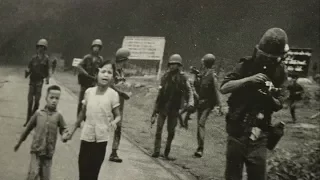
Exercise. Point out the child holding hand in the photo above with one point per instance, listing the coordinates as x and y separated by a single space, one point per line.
46 123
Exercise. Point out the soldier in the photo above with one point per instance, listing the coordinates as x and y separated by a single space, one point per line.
209 97
174 86
253 99
88 68
122 56
194 82
54 65
38 69
295 95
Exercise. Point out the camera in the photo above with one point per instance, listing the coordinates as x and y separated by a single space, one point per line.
268 88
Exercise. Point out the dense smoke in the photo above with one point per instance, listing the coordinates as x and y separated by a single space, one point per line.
228 29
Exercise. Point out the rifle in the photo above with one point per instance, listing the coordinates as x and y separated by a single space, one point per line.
26 73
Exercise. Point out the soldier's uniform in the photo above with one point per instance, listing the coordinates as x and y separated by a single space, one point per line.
184 123
208 98
249 117
295 95
121 55
90 64
38 70
174 86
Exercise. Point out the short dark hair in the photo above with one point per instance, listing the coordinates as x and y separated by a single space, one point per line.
106 62
53 87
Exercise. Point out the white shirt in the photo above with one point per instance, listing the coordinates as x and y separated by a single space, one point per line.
99 114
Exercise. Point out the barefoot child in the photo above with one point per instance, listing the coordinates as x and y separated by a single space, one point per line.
101 109
46 123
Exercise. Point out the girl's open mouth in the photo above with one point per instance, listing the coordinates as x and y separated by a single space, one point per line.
105 80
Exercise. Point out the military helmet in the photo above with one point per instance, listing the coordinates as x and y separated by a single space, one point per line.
175 59
208 58
274 43
122 54
97 42
42 42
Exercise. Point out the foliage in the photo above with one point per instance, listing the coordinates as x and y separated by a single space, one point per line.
304 165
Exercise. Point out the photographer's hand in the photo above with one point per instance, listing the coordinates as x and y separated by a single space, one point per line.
258 78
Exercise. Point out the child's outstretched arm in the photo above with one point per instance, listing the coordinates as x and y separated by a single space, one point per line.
26 132
63 128
80 118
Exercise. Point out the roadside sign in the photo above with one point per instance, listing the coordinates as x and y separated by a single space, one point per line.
145 48
76 62
297 61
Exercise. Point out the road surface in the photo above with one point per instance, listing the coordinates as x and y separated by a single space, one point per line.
14 165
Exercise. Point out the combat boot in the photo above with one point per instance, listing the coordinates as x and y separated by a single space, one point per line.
114 157
166 155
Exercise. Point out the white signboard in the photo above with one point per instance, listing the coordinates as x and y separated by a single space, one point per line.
76 62
297 61
144 47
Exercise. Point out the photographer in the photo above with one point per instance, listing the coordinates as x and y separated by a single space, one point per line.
254 86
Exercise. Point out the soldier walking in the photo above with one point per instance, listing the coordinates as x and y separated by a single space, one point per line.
209 97
88 69
173 88
295 95
194 83
122 57
253 99
38 69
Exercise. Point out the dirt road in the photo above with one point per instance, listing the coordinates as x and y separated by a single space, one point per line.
211 166
13 105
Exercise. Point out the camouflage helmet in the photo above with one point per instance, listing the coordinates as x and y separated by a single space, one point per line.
97 42
122 54
274 43
175 59
42 42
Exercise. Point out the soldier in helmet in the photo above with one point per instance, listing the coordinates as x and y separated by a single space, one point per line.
122 57
209 97
174 86
185 110
88 68
253 99
295 95
38 70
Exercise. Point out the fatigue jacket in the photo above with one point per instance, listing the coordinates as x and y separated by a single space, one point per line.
173 88
90 63
245 102
39 68
46 125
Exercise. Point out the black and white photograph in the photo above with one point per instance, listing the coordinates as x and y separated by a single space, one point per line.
159 90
